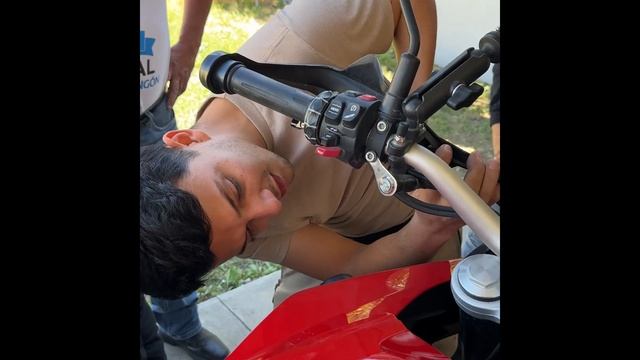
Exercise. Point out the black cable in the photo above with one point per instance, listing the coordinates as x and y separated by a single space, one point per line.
424 207
414 39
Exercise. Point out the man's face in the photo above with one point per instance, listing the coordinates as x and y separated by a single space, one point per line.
240 186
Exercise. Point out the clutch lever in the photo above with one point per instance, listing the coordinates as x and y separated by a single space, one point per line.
432 141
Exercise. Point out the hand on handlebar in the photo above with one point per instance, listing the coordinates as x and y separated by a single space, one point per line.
482 177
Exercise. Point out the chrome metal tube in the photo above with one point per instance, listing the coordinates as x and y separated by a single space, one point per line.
471 208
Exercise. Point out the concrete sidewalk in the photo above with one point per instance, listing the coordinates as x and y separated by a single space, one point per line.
232 315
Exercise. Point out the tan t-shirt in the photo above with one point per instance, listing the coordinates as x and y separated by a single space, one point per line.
325 191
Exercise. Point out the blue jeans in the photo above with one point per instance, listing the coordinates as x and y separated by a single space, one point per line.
156 121
178 318
471 241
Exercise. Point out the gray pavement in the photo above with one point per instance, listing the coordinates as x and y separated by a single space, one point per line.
232 315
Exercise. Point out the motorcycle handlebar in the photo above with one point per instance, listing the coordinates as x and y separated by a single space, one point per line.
222 75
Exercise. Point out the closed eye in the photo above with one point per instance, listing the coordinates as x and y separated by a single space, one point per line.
232 192
238 188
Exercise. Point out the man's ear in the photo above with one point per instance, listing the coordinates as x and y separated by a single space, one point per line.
184 138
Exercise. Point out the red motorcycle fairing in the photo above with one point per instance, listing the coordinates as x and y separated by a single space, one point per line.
354 318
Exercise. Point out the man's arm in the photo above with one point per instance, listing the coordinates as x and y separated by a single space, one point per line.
183 53
427 21
495 140
494 111
321 253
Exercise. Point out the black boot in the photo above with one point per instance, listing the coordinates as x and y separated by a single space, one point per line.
202 346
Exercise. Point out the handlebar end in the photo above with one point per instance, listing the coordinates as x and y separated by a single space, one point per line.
208 69
490 45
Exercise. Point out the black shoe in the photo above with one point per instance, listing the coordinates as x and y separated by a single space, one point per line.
203 346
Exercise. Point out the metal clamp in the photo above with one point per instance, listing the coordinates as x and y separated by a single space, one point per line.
387 184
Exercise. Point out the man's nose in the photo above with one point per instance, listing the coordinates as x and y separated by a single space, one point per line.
262 209
265 205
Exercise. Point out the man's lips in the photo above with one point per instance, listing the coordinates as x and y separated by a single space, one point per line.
282 185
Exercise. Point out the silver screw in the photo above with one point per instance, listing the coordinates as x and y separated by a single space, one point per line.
381 126
399 139
385 185
370 156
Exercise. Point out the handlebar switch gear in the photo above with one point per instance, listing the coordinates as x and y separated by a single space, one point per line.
332 115
313 115
351 113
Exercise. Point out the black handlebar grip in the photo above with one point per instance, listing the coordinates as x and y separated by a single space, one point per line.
222 75
490 45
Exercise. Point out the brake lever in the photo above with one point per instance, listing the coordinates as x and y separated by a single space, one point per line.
432 142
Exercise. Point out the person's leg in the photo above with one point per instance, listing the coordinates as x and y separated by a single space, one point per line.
180 326
151 346
178 319
470 241
155 122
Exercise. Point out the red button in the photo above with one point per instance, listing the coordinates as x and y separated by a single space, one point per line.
367 97
328 151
